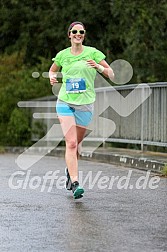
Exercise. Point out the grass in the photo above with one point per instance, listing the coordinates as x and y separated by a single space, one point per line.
2 149
164 170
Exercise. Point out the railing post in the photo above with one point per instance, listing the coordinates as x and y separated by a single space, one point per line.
142 120
104 98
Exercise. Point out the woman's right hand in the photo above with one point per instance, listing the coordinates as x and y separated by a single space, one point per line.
53 80
53 74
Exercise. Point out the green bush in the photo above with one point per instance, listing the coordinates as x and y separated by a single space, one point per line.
17 84
18 130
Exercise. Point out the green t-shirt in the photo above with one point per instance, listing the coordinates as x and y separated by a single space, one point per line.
74 68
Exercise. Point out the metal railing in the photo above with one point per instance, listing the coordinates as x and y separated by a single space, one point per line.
145 125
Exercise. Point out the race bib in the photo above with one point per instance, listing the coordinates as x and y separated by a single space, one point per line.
76 85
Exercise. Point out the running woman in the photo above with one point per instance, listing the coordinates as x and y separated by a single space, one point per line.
76 97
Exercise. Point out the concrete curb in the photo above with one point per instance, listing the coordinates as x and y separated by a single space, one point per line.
141 163
134 159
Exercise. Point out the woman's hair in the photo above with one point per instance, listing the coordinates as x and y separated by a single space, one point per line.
72 24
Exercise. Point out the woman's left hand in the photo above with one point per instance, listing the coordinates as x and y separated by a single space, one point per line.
92 63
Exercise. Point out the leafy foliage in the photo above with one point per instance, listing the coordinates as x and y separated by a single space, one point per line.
18 130
18 85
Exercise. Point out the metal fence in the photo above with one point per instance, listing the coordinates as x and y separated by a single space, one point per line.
145 125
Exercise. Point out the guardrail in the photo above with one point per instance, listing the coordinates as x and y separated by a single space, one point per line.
146 124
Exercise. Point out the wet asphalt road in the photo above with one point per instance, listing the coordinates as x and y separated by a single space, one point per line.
110 219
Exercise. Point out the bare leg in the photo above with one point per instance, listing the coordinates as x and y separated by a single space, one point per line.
71 153
70 133
80 136
73 136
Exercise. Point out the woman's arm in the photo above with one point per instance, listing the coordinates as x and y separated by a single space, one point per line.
102 67
53 73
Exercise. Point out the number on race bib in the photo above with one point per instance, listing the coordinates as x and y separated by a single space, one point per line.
76 85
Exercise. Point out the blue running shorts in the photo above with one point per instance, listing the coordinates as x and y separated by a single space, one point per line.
82 113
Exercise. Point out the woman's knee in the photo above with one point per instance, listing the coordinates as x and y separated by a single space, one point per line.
71 144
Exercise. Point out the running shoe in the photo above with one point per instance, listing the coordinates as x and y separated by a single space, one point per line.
68 181
77 190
